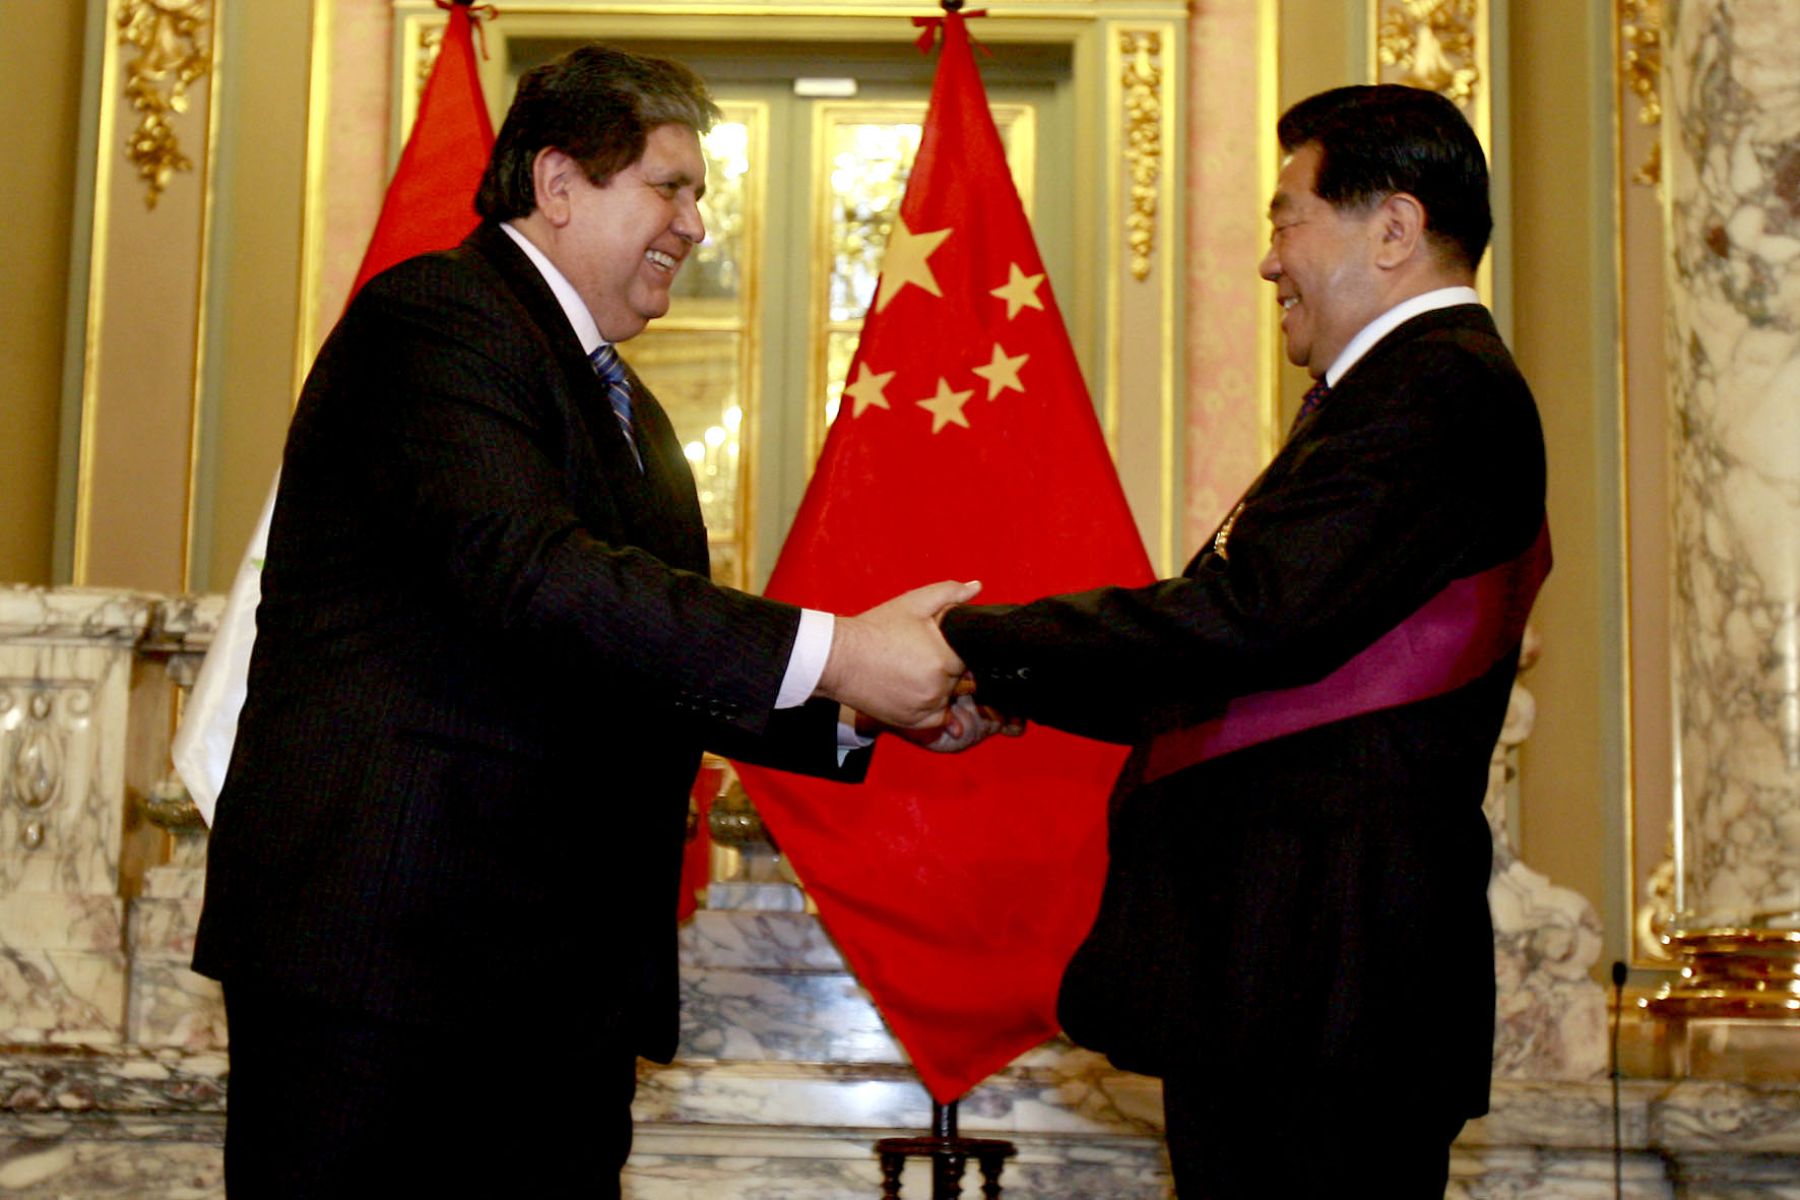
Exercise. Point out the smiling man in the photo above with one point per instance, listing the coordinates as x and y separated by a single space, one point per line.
488 658
1294 932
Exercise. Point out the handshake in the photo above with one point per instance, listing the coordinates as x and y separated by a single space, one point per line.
892 667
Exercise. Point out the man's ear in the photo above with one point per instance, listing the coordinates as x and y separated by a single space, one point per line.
1400 229
553 178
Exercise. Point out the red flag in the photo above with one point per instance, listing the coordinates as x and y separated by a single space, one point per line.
958 886
430 204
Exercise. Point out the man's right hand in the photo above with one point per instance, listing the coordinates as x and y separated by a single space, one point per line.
891 663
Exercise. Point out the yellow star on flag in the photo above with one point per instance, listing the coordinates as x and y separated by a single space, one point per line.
1019 291
1002 372
947 406
867 390
905 261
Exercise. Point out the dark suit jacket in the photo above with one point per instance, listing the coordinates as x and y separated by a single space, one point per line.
488 657
1316 904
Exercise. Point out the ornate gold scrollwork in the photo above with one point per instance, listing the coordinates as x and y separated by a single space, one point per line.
1640 64
1432 43
170 37
1142 80
431 40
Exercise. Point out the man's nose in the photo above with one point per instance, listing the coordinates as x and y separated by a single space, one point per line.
1270 266
689 225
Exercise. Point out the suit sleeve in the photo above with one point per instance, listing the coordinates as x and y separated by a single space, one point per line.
1413 481
475 447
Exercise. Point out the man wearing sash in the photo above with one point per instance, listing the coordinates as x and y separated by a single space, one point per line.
1294 932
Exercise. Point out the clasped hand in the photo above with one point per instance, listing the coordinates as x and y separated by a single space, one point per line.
892 666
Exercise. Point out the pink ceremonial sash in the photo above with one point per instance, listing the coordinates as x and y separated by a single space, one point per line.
1454 639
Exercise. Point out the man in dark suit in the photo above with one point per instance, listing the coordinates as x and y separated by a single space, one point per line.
488 658
1294 931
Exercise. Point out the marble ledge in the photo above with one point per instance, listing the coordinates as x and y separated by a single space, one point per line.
882 1099
62 1084
758 1164
785 941
41 1084
107 615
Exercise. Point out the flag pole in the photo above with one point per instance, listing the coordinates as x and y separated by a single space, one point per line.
949 1153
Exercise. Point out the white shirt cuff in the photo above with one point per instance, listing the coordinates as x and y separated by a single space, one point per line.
812 646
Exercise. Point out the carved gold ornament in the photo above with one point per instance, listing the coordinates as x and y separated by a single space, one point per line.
1142 80
170 38
1640 65
431 40
1432 44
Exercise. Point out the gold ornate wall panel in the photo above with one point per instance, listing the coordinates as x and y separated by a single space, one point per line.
1144 277
172 43
1145 132
1447 46
1437 45
134 391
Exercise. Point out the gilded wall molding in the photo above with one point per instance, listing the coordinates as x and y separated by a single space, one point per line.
1431 44
431 40
1640 66
171 39
1141 77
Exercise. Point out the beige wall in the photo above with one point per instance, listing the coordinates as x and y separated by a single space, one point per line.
1563 331
253 315
40 59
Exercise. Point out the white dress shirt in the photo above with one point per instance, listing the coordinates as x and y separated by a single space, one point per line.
1392 319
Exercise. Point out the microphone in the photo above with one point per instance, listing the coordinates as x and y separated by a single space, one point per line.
1618 982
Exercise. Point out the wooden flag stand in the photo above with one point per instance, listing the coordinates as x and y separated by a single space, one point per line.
948 1153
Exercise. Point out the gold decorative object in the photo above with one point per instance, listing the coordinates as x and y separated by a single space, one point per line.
1432 44
1733 973
1640 63
170 37
1653 917
1142 80
431 40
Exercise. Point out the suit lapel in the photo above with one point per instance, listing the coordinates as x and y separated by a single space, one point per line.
656 509
1466 316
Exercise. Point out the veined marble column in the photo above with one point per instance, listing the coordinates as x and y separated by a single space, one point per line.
1732 145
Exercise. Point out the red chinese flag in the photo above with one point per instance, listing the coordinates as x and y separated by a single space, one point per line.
430 205
958 886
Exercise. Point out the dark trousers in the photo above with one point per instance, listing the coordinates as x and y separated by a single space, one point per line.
1231 1143
329 1104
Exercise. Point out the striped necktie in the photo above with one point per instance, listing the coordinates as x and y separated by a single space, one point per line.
611 370
1309 403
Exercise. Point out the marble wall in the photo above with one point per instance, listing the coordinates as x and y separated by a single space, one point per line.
1732 112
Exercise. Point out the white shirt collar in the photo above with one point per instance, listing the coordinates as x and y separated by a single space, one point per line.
579 317
1392 319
